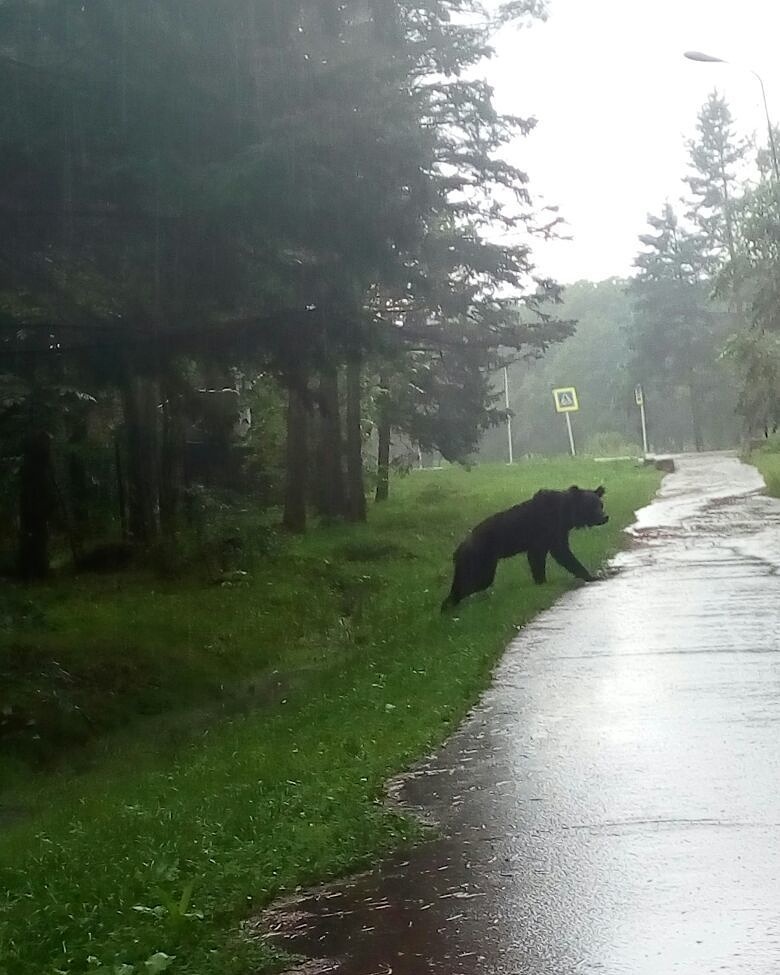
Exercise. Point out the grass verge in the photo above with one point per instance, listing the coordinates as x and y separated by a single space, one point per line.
149 858
767 460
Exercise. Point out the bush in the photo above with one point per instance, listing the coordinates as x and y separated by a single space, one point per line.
611 444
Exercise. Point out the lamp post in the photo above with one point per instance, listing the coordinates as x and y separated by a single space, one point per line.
508 416
709 58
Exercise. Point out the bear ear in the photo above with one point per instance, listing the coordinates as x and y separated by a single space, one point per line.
574 488
600 491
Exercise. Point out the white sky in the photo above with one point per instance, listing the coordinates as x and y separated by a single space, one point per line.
615 100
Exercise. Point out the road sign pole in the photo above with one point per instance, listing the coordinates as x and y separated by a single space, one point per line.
508 417
639 397
571 435
644 425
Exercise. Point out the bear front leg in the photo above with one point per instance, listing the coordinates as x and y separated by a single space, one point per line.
537 560
564 556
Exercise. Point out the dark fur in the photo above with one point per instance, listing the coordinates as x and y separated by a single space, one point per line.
538 527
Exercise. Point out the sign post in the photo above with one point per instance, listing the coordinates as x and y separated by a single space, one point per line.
639 396
508 416
571 435
566 402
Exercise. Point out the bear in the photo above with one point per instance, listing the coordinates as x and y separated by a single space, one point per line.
537 526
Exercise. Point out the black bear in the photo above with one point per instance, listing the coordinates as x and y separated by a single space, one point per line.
537 527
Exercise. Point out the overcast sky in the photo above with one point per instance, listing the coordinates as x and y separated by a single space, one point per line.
615 101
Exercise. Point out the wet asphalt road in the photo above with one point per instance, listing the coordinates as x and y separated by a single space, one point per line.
613 805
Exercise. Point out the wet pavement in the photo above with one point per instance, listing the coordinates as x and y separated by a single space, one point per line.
613 805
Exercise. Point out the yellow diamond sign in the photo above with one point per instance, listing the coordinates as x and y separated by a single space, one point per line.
566 400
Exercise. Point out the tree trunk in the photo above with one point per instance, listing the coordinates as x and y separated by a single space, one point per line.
121 490
294 519
139 400
356 495
696 419
171 464
383 452
330 493
35 479
78 481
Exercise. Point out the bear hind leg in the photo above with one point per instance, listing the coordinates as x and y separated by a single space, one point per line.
471 575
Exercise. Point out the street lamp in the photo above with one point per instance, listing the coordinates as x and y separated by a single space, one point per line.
508 416
700 56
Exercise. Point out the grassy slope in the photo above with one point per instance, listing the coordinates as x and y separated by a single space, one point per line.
257 803
767 461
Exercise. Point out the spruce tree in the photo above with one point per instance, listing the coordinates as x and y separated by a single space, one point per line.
715 157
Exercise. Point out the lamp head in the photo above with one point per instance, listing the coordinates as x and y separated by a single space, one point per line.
701 56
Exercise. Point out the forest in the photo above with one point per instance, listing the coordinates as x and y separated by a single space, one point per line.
235 239
248 256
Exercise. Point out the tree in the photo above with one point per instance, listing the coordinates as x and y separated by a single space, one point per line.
756 356
35 407
715 157
754 350
674 334
436 311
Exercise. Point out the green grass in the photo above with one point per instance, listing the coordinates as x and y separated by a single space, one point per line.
767 460
166 846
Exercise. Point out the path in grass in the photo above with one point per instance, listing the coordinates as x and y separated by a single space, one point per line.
156 852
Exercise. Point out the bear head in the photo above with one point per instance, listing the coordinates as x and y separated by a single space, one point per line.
587 507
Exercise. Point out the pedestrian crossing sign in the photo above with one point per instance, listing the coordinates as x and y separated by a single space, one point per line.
566 400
